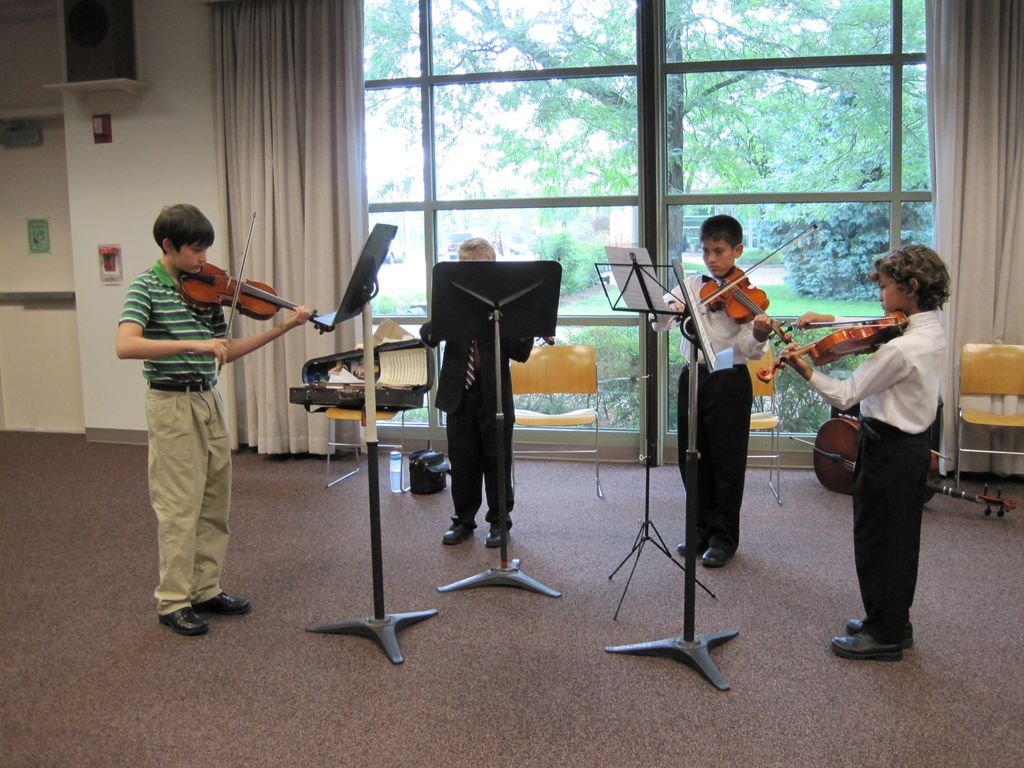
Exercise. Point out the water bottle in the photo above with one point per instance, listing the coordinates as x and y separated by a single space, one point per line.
396 472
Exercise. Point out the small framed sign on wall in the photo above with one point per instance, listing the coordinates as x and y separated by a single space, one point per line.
38 236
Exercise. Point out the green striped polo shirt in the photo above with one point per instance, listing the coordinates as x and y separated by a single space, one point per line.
154 302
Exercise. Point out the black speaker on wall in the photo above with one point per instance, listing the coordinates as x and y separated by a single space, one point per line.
99 39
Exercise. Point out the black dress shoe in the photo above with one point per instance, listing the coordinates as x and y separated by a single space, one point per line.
865 647
716 557
681 547
185 621
493 536
223 603
856 626
457 534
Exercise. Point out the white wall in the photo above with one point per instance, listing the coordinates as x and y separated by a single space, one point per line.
163 152
40 386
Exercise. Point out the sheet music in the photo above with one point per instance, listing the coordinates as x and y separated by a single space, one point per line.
717 360
343 376
403 368
628 280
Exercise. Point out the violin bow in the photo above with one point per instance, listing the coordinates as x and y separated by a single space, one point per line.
238 286
730 286
238 281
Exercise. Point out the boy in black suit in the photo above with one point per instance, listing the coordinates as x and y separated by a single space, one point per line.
466 393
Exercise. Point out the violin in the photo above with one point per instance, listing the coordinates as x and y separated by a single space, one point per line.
835 455
857 338
734 295
211 286
739 300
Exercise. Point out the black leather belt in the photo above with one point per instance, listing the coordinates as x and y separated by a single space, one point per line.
184 386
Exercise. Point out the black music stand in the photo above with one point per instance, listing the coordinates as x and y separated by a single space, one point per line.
689 648
382 627
519 300
639 285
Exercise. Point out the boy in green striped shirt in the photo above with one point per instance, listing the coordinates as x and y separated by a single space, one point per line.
189 453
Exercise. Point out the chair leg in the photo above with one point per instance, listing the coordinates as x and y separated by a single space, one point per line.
776 465
959 442
331 445
597 460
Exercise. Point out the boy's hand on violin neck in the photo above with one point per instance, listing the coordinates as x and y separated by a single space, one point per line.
796 362
299 316
762 327
812 317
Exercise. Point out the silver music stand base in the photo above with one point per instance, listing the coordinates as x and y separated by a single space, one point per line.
501 577
693 652
384 631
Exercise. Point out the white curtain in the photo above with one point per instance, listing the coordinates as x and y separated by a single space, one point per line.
976 115
290 109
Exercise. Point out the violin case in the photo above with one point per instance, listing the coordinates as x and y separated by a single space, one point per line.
427 471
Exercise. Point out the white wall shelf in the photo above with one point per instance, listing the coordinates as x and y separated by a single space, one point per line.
32 113
133 87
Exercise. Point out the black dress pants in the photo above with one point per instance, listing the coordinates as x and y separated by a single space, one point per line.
473 455
724 399
889 484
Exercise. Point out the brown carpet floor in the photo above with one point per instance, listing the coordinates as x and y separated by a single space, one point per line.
501 677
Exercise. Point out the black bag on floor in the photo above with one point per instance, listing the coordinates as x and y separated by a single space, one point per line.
427 470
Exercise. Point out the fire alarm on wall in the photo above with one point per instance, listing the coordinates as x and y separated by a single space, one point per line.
101 129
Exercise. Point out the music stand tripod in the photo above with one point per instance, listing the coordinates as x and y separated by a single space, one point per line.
636 291
381 627
523 296
689 648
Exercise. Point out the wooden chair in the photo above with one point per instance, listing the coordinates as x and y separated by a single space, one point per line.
990 376
557 371
765 418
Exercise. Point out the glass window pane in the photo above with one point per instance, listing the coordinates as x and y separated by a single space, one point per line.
575 237
913 26
801 409
391 36
548 138
740 29
825 270
510 35
822 271
917 224
402 276
618 360
916 164
394 145
802 130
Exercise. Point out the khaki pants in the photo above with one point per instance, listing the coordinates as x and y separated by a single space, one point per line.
190 490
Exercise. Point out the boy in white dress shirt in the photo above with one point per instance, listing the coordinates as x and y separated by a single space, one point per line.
724 399
898 391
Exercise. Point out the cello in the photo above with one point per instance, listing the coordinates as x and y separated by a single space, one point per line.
835 457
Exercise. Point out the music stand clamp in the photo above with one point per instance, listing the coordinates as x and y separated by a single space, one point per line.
514 300
381 626
689 648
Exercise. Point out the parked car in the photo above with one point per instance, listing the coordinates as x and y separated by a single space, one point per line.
451 252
